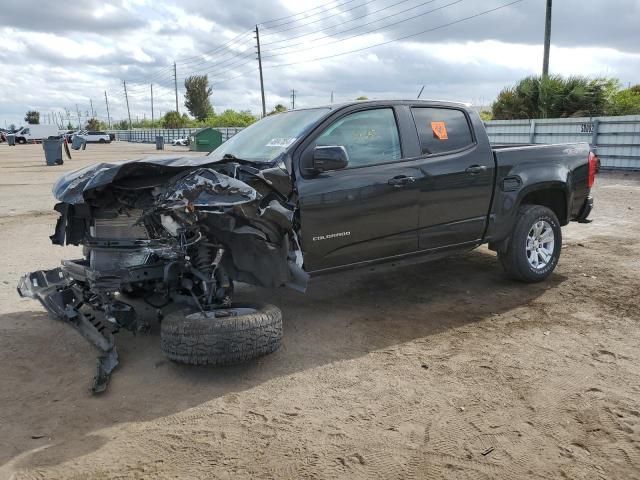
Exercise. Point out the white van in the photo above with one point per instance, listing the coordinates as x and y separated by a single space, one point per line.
32 133
94 137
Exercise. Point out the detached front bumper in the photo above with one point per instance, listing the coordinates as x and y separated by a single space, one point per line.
585 210
63 300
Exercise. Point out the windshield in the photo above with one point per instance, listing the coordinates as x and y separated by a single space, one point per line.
265 140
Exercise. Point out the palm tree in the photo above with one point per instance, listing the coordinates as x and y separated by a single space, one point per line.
553 97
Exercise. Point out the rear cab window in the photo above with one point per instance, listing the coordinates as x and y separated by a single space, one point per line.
442 130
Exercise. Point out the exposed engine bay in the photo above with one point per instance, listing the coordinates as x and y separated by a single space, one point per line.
166 230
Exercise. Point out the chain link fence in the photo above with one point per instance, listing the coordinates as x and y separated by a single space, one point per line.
148 135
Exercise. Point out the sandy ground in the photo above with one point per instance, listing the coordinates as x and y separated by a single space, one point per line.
442 370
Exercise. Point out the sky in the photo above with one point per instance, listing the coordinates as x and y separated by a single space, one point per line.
61 57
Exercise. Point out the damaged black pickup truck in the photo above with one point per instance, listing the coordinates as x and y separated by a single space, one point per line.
297 194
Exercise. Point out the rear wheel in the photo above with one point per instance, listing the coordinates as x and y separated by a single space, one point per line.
534 246
102 140
223 336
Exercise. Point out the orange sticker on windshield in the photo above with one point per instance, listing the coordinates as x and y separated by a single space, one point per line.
439 130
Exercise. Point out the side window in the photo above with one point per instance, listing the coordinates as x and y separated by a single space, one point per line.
370 137
441 130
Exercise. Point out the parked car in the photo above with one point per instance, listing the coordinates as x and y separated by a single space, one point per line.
182 142
295 195
35 133
95 137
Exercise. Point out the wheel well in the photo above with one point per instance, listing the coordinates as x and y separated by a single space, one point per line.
552 198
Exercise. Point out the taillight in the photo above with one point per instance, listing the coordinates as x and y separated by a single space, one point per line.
593 169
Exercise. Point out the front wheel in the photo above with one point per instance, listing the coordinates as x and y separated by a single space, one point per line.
223 336
534 246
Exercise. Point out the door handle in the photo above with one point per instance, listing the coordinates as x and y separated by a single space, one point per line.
476 169
401 181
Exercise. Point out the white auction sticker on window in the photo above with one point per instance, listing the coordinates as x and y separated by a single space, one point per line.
280 142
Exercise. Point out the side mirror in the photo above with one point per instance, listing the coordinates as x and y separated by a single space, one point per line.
331 157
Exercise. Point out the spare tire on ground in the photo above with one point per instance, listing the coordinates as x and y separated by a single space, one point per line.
221 337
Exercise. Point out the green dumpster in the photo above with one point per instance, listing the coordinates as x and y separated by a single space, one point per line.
205 140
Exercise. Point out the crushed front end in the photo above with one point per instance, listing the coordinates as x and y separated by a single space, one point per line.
165 231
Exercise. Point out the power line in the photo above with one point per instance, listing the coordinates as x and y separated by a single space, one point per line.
217 68
341 12
357 26
186 60
404 37
369 31
237 60
305 12
226 64
146 79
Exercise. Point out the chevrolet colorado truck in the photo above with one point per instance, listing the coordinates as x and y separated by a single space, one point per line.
295 195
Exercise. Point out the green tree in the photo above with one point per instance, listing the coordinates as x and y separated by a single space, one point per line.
121 125
196 97
279 108
32 117
232 118
553 97
362 97
173 119
625 102
486 115
92 124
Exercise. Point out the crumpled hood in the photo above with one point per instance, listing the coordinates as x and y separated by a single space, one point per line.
72 186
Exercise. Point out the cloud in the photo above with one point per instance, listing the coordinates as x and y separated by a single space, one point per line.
67 17
55 55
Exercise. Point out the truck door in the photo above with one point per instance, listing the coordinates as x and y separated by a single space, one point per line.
456 188
367 211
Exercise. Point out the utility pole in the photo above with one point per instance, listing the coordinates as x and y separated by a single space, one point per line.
264 107
293 99
152 104
93 113
106 101
78 110
175 81
547 40
124 82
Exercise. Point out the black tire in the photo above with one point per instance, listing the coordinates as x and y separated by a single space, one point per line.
196 339
515 260
102 140
22 141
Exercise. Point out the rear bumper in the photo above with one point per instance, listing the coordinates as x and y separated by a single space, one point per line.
585 210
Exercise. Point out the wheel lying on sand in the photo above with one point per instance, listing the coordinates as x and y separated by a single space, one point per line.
221 337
